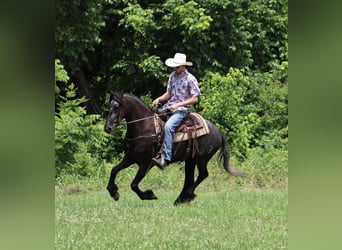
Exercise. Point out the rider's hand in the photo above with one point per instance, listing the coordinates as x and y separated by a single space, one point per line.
155 102
173 107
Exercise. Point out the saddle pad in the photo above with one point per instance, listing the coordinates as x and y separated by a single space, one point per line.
201 129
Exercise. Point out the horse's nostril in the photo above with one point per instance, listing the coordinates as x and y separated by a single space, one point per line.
108 129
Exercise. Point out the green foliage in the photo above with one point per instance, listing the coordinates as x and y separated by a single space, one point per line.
188 16
269 96
60 75
140 20
266 22
248 108
152 66
81 145
223 102
147 98
78 25
122 44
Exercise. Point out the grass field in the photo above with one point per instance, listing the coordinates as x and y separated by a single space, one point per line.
216 219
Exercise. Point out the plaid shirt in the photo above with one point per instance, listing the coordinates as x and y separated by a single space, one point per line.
181 87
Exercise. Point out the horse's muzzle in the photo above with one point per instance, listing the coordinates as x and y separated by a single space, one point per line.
108 128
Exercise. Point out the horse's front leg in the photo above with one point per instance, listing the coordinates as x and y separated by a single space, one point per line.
112 187
142 172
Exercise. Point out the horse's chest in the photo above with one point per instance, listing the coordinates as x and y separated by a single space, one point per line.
139 147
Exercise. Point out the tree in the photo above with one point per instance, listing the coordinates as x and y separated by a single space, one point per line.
239 49
122 44
78 25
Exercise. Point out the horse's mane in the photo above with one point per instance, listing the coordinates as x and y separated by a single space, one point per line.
117 96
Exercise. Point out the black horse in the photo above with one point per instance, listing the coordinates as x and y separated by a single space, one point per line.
143 142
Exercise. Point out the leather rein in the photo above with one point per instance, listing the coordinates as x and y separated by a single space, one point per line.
157 134
141 119
148 117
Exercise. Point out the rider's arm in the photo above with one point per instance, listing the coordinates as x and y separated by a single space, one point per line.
192 100
163 98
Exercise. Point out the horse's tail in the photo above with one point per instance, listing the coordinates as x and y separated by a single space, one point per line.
225 155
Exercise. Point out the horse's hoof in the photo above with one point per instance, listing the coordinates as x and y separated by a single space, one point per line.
184 199
149 195
113 192
177 202
116 196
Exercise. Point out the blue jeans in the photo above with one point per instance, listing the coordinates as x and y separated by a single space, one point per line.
170 128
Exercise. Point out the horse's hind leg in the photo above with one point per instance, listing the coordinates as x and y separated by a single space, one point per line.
112 187
202 174
143 170
187 195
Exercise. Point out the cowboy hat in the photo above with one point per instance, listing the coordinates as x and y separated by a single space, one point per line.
178 60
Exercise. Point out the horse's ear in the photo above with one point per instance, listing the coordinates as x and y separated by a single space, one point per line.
117 97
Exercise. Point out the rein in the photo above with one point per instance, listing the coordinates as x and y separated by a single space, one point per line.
145 118
141 119
148 136
142 136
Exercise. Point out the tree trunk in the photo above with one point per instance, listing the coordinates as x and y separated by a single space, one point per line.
84 89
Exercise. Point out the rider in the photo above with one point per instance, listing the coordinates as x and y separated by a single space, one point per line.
181 92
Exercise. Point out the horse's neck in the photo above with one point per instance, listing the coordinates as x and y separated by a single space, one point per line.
139 118
137 113
133 115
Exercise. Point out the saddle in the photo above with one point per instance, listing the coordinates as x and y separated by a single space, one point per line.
192 126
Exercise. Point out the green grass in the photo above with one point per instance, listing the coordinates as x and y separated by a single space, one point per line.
216 219
228 213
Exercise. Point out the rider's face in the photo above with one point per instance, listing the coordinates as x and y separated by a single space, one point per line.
179 69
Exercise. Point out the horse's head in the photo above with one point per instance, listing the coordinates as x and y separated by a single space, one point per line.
115 112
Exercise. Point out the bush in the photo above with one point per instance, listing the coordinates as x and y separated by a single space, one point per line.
269 97
248 107
223 103
82 146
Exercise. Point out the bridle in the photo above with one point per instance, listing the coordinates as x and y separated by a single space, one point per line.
158 130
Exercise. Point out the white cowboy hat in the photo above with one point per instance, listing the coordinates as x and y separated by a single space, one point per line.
178 60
